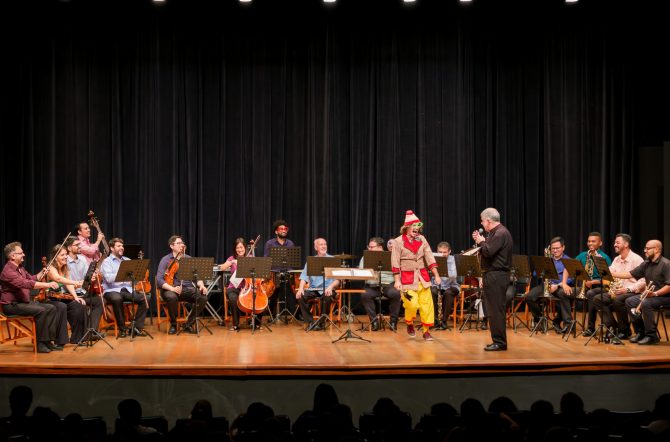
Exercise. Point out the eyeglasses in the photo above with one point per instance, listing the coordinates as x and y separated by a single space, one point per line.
649 248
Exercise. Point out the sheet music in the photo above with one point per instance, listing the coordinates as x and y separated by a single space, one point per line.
363 272
235 281
343 272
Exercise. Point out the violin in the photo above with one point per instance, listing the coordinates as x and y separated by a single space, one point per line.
42 294
144 286
172 269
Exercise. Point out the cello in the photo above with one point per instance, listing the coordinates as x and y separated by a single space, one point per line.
264 288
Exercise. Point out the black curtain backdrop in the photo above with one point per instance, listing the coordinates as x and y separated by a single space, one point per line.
213 119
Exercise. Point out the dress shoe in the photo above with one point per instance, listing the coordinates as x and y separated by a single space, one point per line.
122 333
394 325
440 326
234 328
588 332
410 330
485 324
427 336
189 329
623 335
649 340
173 330
495 347
374 325
42 347
54 347
139 332
637 338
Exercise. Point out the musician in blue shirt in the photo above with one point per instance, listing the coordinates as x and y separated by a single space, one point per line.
318 288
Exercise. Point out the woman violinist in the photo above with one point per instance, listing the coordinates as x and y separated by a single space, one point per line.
65 298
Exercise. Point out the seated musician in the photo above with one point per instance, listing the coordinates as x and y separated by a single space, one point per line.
78 267
447 290
372 291
280 229
560 288
235 284
318 288
65 299
115 293
15 286
594 284
172 292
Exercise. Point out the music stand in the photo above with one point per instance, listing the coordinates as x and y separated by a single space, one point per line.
344 274
132 251
315 267
545 270
468 267
254 268
576 269
520 269
133 270
443 270
194 270
381 261
91 332
285 259
605 275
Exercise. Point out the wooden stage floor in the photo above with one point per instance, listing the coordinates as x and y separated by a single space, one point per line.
288 351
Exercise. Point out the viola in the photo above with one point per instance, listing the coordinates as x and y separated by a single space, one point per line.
144 286
42 294
172 269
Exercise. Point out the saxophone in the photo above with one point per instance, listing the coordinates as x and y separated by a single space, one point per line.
547 294
650 288
588 266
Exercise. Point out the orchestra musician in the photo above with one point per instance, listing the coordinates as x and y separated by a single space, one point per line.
179 290
15 286
447 290
65 298
316 288
411 259
496 253
235 284
372 291
90 250
593 285
654 269
115 293
625 261
280 229
78 267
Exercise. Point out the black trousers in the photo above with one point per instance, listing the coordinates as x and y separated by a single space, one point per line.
494 297
116 299
646 322
45 314
311 294
188 294
76 317
621 311
448 295
369 299
283 292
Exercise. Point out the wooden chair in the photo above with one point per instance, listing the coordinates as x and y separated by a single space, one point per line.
340 293
161 308
14 327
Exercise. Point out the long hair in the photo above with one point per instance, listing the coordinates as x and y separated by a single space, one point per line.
61 269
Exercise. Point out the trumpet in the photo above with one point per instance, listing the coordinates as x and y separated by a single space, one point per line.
649 289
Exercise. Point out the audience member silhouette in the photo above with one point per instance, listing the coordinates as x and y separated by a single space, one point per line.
129 424
18 423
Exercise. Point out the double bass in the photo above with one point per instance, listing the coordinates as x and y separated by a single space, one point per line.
96 284
264 289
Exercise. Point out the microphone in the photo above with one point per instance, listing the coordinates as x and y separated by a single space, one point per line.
481 232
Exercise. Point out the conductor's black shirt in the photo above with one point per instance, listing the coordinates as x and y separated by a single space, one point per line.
496 251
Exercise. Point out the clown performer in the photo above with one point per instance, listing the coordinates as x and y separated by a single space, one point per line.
411 258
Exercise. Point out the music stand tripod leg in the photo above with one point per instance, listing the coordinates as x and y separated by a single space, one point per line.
87 339
348 333
602 332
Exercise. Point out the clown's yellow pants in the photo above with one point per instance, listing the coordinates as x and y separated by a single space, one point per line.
420 300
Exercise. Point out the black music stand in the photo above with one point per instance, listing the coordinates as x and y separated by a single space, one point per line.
133 270
194 270
315 267
520 269
602 332
576 269
468 267
91 332
285 259
132 251
381 261
254 268
544 269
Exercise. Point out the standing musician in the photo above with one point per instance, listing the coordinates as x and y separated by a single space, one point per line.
15 286
65 298
656 270
445 293
411 259
236 284
78 267
594 283
496 252
280 229
116 293
90 250
372 291
316 288
615 297
179 290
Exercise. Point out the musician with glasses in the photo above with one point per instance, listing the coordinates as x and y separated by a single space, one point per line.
179 290
593 284
615 296
445 292
654 269
372 291
78 267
